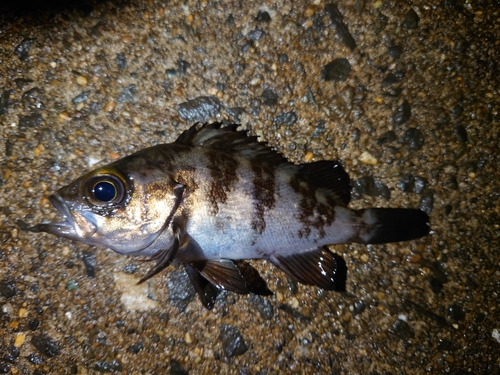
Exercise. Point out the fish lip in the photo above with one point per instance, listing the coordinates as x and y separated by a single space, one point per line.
63 209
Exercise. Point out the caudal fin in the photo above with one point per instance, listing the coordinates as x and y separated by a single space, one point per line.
384 225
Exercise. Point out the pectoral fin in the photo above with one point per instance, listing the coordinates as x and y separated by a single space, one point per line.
163 259
224 274
318 267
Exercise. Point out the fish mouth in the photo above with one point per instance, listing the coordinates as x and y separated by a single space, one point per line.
75 226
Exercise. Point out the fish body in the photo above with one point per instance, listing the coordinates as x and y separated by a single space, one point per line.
216 197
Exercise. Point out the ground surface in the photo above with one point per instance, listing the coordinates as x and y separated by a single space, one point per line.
409 104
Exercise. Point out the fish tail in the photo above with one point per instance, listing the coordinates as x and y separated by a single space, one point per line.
383 225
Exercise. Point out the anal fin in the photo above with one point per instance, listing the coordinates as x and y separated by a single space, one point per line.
318 267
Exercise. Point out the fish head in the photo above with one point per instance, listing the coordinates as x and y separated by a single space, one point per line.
118 207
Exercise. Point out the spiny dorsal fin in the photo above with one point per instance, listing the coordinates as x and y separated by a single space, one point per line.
228 139
330 176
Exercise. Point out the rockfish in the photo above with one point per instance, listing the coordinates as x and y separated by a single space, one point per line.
216 197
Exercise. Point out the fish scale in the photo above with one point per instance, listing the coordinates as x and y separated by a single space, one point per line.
217 197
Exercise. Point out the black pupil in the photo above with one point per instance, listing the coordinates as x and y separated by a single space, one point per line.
104 191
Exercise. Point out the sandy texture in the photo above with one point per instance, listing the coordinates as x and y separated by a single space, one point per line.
405 94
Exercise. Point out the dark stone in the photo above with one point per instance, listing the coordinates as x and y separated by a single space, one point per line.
81 98
34 324
456 312
199 109
233 343
256 34
263 16
411 20
359 307
180 289
121 61
90 262
176 368
436 285
33 98
393 78
427 201
235 113
182 66
414 138
286 118
337 70
270 97
22 50
31 121
12 355
21 83
136 348
368 186
340 27
127 95
395 51
113 366
45 345
263 306
419 185
171 73
387 137
4 100
402 330
33 358
457 110
402 113
4 368
282 58
461 133
7 289
319 129
130 268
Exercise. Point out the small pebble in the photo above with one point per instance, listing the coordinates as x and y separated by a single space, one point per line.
22 313
308 156
187 338
109 106
63 117
19 340
82 80
368 158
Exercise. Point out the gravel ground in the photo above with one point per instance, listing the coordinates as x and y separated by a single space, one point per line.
405 94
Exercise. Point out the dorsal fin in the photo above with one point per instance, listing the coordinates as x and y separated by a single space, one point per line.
326 175
228 139
330 176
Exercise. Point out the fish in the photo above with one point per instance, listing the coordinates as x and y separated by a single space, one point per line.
215 199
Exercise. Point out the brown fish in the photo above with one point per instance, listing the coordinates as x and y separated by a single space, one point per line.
216 197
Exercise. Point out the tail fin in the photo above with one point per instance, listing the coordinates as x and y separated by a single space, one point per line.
393 225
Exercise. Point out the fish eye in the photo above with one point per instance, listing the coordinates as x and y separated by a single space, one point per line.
105 190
